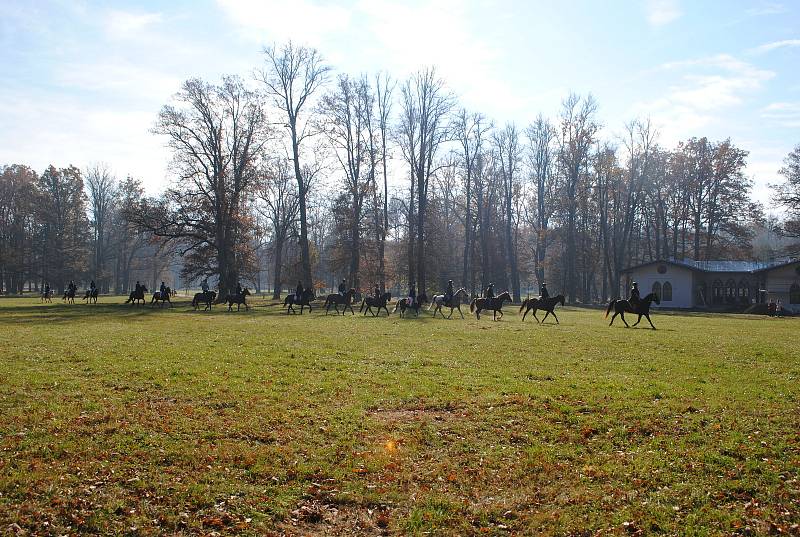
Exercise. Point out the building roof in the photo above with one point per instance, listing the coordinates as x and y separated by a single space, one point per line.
719 266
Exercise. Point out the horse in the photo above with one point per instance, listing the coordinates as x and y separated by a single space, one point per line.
91 296
495 304
238 299
455 303
206 297
305 300
547 304
46 296
335 299
380 303
161 298
69 296
402 305
135 297
641 309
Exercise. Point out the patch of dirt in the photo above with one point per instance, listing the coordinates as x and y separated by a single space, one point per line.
318 517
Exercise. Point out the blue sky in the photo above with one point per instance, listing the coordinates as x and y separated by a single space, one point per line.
83 81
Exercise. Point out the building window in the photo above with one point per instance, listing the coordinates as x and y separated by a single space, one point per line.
666 289
716 292
794 294
744 291
657 289
730 291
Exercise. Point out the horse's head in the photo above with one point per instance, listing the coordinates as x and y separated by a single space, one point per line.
504 296
560 299
387 296
245 292
652 297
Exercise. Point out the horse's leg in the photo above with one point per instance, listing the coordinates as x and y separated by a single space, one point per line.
554 315
649 321
622 316
612 318
637 320
546 313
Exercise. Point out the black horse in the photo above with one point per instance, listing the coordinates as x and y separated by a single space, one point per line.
135 297
335 299
641 308
291 301
91 296
238 299
546 304
403 305
69 296
494 305
370 302
160 298
206 297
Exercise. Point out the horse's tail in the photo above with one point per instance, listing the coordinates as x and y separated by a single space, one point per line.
522 306
286 301
472 305
396 305
610 305
432 303
362 305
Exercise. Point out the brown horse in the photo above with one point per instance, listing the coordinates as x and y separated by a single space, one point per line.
547 304
69 296
494 304
370 302
135 297
292 300
335 299
91 296
206 298
455 303
160 298
238 299
403 305
642 308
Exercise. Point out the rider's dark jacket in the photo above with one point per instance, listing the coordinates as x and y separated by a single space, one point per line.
298 293
377 292
342 288
543 292
634 298
489 293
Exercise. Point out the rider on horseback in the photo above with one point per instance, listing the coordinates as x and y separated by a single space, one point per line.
489 293
72 287
239 289
448 295
634 298
377 292
162 291
204 285
92 288
543 293
412 293
137 289
298 292
343 287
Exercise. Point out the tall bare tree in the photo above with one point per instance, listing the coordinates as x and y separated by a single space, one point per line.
509 156
291 77
216 134
101 184
541 155
384 89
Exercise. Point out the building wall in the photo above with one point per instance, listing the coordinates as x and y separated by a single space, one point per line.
679 277
720 294
778 283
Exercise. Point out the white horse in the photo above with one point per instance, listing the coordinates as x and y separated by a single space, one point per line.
455 303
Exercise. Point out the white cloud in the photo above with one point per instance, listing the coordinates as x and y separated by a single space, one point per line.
267 21
125 24
662 12
785 114
769 47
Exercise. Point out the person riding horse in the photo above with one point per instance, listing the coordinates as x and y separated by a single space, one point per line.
138 288
204 285
634 298
72 287
298 291
377 292
448 295
92 287
343 287
489 293
162 291
543 293
412 294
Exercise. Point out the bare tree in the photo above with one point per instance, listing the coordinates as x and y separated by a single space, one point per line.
469 130
216 135
293 74
509 153
384 88
578 130
541 137
101 185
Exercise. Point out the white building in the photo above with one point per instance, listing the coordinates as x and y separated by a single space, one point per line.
731 285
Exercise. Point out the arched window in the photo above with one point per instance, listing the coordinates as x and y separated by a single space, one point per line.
730 290
744 291
657 289
794 294
716 292
667 290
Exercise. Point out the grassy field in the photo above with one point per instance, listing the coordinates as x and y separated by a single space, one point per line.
116 419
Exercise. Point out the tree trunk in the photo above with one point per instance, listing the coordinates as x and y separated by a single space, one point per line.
305 256
278 255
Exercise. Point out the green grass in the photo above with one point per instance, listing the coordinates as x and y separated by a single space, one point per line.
136 420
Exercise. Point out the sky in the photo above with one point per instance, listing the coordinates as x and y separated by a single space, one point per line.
82 82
